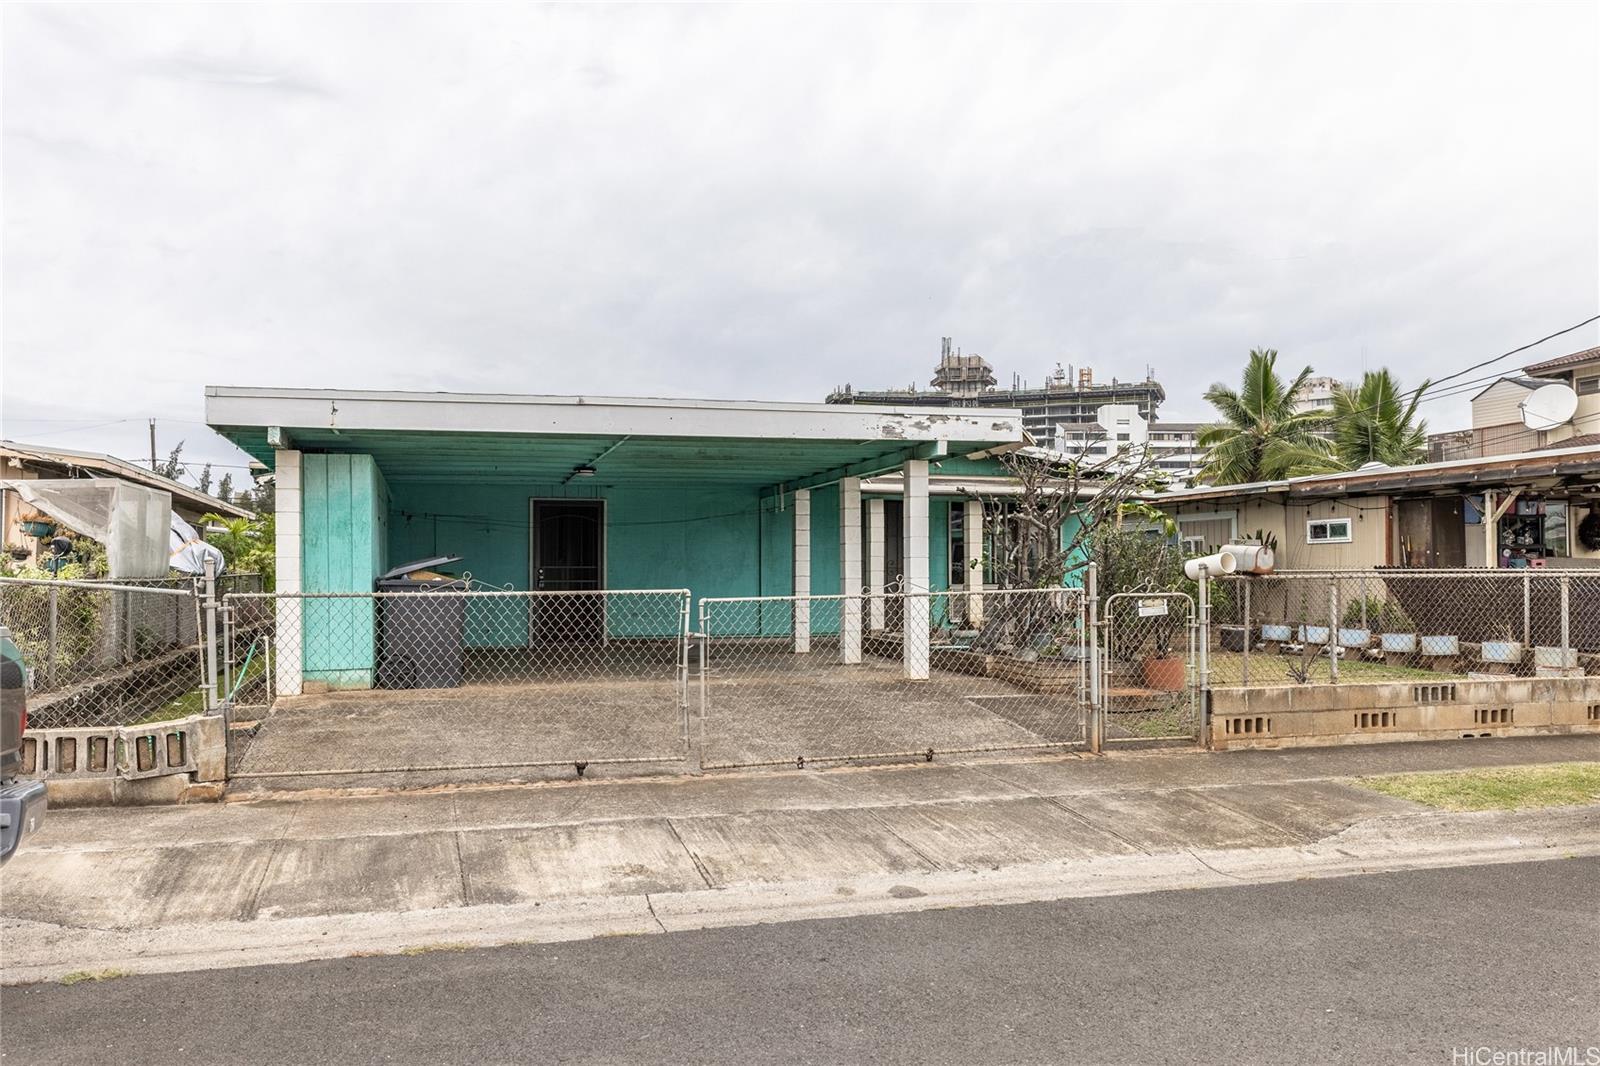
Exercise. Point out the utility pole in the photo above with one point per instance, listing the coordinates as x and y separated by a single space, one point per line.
152 446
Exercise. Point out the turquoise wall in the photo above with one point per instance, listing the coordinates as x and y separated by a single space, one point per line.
714 541
344 545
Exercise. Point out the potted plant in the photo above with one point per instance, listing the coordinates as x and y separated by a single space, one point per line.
1235 637
1310 634
1439 645
1552 657
1277 632
1162 670
1374 615
1504 648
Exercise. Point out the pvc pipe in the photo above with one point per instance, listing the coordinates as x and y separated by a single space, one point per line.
1221 563
1252 558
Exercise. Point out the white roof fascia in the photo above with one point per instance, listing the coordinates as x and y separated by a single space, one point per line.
959 485
602 416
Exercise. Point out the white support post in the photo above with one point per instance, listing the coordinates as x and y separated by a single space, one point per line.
972 530
850 570
802 571
914 551
875 562
289 638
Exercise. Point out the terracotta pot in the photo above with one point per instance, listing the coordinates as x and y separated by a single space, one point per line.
1168 674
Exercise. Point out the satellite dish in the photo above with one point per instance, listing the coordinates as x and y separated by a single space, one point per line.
1549 406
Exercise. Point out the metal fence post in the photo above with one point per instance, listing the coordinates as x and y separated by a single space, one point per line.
1333 631
698 757
1566 622
227 652
210 652
1203 655
50 652
1249 636
1527 609
1095 725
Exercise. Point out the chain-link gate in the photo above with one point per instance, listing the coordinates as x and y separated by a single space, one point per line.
1150 686
789 681
403 682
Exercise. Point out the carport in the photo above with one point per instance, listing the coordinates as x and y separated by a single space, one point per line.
557 502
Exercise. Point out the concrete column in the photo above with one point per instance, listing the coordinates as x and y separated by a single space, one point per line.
802 570
972 530
289 637
914 551
875 575
850 570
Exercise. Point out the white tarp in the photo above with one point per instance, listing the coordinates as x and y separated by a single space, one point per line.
189 552
133 522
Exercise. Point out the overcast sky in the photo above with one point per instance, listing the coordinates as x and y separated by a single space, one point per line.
766 202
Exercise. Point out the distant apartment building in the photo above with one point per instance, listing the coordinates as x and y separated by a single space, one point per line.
1069 397
1317 394
1171 447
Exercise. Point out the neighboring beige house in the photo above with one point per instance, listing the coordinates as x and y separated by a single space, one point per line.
30 462
1431 514
1497 427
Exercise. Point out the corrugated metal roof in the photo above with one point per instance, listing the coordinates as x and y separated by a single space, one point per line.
1564 459
121 468
1588 355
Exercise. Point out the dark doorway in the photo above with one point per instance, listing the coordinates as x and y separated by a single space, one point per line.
567 555
1432 532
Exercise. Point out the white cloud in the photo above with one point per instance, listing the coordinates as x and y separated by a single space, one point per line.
767 202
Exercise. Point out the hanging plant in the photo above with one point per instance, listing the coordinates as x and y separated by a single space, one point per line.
1589 531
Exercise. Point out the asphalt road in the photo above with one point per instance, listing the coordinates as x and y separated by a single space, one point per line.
1382 968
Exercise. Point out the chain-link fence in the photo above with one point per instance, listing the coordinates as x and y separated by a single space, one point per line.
103 654
794 680
391 682
1150 687
1342 627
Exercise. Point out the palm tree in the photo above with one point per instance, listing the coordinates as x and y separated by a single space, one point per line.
1375 423
1261 436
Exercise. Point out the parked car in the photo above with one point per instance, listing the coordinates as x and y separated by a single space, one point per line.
22 803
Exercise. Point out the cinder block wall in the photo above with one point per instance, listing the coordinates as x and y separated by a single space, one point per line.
1306 715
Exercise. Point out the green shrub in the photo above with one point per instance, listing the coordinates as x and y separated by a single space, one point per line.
1381 615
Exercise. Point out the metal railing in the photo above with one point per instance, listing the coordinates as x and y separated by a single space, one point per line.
392 682
1353 626
793 680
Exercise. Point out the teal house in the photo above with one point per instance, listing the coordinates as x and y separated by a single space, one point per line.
583 493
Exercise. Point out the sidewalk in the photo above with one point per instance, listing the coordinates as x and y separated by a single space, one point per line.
281 879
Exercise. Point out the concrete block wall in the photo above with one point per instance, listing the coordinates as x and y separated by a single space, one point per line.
1311 715
164 762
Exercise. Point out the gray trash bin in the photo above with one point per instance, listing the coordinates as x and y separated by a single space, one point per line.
421 636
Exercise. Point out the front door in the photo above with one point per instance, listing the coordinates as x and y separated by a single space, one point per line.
567 554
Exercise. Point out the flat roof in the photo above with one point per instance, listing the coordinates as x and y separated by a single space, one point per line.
624 439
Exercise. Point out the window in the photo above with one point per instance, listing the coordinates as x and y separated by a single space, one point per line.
958 543
1328 531
1555 528
1586 386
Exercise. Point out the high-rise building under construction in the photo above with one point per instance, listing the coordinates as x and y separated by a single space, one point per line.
1069 397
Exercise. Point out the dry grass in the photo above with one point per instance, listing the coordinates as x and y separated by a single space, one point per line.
80 976
1560 785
